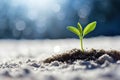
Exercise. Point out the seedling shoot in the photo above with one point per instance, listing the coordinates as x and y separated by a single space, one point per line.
81 33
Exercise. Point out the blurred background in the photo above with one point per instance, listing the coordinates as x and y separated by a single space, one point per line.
48 19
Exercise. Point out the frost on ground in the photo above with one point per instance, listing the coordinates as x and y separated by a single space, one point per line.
22 60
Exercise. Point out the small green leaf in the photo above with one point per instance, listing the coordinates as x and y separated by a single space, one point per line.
90 27
80 28
74 30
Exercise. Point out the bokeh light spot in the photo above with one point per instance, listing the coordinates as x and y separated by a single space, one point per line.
56 49
20 25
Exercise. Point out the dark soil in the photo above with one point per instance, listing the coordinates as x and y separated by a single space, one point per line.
77 54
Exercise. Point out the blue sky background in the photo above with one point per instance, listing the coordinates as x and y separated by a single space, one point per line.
43 19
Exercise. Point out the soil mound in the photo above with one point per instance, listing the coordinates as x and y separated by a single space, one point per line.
77 54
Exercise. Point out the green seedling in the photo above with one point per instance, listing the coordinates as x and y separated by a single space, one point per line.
81 33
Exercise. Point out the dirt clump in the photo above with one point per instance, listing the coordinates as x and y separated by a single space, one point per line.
77 54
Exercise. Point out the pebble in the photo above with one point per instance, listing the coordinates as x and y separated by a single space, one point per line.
29 60
54 63
105 64
104 58
26 71
35 65
6 74
93 65
118 62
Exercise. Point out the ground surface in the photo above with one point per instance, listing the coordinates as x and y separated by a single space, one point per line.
21 60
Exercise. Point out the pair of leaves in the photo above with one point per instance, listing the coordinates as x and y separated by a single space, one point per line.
78 31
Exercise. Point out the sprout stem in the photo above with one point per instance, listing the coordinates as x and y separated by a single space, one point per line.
81 43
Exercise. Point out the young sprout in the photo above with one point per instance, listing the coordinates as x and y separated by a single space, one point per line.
82 33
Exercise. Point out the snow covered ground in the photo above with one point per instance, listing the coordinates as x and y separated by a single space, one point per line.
45 48
17 56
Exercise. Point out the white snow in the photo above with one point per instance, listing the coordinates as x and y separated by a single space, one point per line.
15 54
45 48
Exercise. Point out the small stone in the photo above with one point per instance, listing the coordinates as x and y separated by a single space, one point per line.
55 63
118 62
35 65
106 64
26 71
23 73
6 74
93 65
104 58
29 60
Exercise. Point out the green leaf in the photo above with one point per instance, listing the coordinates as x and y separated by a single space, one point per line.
89 28
74 30
80 28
